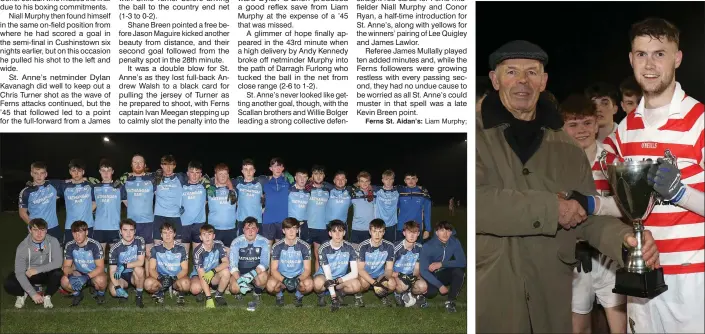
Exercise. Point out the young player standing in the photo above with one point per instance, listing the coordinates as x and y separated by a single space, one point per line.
38 200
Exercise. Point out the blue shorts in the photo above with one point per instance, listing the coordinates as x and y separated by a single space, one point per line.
105 236
68 236
390 234
144 230
191 233
357 237
318 236
159 220
272 231
55 232
127 277
226 236
320 272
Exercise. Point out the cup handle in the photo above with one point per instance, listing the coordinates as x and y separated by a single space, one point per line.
603 160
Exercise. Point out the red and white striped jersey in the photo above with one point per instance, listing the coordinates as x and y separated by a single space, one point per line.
603 187
679 233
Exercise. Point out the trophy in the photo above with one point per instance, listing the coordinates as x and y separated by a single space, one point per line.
635 198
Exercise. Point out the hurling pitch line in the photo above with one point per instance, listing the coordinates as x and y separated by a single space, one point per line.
191 309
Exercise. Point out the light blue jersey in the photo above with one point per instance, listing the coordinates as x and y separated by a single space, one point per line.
338 204
221 214
296 203
193 200
79 203
404 259
40 201
120 253
108 201
208 259
169 260
140 198
168 196
246 255
338 259
363 209
316 207
291 258
386 205
249 199
84 257
376 258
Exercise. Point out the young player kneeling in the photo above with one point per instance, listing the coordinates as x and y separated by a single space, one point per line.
86 256
291 265
376 264
127 263
168 267
410 287
210 264
249 261
338 271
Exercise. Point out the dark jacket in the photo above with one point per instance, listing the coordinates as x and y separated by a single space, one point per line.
449 254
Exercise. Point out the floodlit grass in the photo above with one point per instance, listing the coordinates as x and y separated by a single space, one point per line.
114 317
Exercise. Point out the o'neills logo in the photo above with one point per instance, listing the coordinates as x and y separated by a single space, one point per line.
649 145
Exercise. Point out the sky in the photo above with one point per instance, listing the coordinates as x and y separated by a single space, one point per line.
589 41
439 160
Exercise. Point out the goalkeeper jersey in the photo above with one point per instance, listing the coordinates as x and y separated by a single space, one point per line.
376 257
168 195
414 204
78 198
316 207
83 257
276 199
338 204
120 253
40 201
140 198
338 259
246 255
108 201
193 200
249 199
169 260
221 214
208 259
404 259
297 202
291 258
386 205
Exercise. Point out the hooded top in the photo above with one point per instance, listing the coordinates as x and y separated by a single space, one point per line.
43 257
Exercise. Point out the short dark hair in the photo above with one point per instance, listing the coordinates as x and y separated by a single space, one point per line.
207 228
195 165
79 225
577 106
411 225
128 221
38 165
602 89
38 223
657 28
335 224
290 222
340 172
77 163
248 162
412 174
168 159
249 220
221 166
377 223
318 168
276 161
105 163
444 224
167 226
301 171
629 87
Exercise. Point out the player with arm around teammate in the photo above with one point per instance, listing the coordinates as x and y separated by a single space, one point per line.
210 264
127 263
168 267
290 265
376 264
83 264
249 262
409 283
339 271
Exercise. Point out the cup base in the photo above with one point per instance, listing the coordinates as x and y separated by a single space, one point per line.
647 285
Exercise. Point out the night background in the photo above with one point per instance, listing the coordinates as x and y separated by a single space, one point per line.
589 41
439 160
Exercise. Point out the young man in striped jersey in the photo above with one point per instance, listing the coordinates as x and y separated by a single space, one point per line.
667 118
376 264
127 263
78 197
168 265
313 230
249 262
339 270
406 266
210 268
595 274
108 197
222 209
38 200
290 265
83 264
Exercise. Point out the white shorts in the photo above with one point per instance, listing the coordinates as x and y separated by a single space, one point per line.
681 309
598 282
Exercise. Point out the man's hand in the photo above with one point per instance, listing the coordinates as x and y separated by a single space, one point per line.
434 266
30 272
77 282
443 290
119 270
570 213
665 177
38 299
208 276
232 197
426 234
649 252
583 253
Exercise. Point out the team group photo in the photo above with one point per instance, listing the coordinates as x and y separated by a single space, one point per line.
172 236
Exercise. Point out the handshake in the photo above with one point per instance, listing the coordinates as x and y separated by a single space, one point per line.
573 208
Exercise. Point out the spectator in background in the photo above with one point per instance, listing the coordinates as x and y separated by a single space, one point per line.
631 94
604 96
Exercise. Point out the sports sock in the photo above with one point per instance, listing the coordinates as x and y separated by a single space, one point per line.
75 293
100 293
139 292
218 294
280 294
298 294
